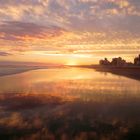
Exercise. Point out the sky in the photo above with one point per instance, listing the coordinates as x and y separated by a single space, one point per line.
69 31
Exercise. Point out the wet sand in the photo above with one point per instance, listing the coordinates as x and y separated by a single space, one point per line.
130 72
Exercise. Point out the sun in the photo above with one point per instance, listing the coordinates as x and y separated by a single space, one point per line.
71 62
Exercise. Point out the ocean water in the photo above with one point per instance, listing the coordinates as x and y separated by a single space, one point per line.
69 104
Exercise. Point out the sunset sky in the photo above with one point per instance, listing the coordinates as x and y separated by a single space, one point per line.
69 31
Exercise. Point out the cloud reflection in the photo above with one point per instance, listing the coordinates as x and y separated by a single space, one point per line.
69 108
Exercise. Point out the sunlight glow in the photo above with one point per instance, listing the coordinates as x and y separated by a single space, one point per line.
72 63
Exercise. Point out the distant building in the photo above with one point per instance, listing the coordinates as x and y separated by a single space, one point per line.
137 61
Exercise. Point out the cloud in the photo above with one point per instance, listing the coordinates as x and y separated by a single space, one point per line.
90 15
4 53
20 10
13 30
69 25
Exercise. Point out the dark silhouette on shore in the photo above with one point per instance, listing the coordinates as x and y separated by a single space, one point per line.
119 62
137 61
119 66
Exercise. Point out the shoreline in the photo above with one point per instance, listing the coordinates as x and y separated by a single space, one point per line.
132 72
11 70
129 72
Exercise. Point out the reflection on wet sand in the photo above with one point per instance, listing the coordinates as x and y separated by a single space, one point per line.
68 104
